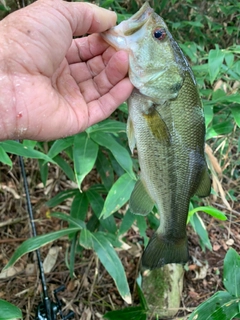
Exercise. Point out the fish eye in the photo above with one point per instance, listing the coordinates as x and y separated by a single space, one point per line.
159 33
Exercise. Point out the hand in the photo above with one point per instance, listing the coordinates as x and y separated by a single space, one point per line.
52 86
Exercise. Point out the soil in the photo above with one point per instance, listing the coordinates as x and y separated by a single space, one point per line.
92 292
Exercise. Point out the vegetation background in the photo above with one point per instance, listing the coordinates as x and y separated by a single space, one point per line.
99 162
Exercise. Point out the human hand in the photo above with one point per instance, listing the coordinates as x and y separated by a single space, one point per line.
52 86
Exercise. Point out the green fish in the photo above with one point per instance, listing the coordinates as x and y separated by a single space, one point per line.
166 124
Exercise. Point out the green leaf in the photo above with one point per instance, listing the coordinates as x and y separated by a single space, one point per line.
218 129
200 229
131 313
85 239
109 126
215 60
221 306
61 196
4 6
120 153
97 202
229 58
236 114
37 242
208 112
17 148
231 273
75 222
118 195
112 263
9 311
66 168
4 158
105 169
142 226
85 152
209 210
31 144
43 167
79 207
60 145
127 222
72 255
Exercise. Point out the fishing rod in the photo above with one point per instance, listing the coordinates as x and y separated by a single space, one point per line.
46 309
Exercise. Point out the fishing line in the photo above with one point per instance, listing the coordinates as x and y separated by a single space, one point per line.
47 309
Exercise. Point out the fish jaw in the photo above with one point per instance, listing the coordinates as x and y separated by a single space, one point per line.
117 36
156 68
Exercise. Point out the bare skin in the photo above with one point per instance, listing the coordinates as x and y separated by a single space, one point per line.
52 86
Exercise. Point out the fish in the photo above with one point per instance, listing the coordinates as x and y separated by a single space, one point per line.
166 124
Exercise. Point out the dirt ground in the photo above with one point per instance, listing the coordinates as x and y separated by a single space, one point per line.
92 292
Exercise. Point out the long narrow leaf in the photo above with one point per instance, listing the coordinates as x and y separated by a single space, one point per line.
108 125
17 148
76 223
221 306
120 153
231 273
4 158
209 210
112 263
60 145
85 152
118 195
37 242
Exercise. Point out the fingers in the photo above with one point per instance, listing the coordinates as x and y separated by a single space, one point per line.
81 16
87 70
103 82
88 18
83 49
103 107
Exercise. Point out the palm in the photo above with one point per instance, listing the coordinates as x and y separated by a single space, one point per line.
62 86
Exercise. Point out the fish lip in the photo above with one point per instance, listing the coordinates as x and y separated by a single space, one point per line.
117 36
114 39
143 14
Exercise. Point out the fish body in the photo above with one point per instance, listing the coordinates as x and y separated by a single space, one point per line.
166 124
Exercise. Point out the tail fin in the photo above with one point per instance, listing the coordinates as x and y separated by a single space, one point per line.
162 250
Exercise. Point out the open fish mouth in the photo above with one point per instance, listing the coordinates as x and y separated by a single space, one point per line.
117 36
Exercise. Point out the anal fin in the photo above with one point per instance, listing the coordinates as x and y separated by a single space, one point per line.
140 202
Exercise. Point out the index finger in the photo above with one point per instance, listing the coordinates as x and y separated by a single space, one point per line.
84 17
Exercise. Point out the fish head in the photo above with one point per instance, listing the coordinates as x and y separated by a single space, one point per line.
157 65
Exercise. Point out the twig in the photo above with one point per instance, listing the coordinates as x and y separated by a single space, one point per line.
12 221
12 240
223 207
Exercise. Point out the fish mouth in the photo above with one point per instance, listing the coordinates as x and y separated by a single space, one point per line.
117 36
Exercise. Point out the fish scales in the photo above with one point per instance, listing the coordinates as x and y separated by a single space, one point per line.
166 123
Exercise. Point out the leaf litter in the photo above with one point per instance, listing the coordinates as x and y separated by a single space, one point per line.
92 292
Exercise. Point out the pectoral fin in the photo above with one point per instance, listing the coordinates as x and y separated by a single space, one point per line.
140 201
158 127
130 134
204 187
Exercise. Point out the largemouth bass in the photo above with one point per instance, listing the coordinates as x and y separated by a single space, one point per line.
166 123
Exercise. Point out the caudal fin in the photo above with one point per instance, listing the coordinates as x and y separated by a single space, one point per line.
161 251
